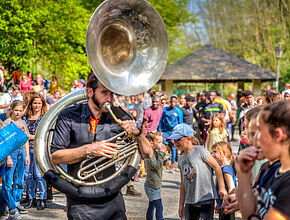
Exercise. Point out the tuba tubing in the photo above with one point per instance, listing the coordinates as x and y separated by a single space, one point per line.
127 48
63 182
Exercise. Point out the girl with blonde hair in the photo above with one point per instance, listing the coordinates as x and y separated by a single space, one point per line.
16 163
222 152
154 168
217 131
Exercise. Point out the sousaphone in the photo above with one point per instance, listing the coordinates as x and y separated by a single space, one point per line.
127 48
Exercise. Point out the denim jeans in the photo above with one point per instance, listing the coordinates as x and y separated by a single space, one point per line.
35 176
15 175
233 130
170 144
2 167
173 153
229 126
159 210
2 202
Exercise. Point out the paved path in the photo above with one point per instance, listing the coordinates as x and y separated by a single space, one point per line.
136 206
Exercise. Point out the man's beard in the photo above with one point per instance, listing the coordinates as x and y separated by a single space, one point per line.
96 103
100 106
154 107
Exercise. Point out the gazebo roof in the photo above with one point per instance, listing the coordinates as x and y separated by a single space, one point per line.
210 64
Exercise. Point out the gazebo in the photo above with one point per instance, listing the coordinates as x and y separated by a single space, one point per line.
209 64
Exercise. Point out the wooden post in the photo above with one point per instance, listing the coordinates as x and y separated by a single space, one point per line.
162 84
256 87
159 87
241 85
169 87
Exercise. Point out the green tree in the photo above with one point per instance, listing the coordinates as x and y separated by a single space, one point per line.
60 40
48 36
175 16
16 31
250 29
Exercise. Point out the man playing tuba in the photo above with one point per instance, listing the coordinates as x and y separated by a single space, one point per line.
79 132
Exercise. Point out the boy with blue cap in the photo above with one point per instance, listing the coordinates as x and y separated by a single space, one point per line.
197 189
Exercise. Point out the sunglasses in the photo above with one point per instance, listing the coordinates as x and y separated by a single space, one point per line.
177 140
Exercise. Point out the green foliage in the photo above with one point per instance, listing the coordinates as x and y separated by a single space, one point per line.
45 36
48 36
175 15
60 40
16 29
250 29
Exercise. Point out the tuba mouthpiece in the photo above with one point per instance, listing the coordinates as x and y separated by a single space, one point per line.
108 106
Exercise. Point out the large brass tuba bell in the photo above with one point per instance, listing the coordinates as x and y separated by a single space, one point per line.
127 47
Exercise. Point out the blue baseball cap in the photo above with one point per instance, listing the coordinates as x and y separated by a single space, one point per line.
181 130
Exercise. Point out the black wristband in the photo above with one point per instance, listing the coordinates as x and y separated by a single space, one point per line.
140 132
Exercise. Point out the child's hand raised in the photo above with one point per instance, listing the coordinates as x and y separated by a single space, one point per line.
246 160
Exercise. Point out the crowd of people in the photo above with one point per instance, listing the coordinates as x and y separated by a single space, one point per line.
19 84
201 129
195 130
24 101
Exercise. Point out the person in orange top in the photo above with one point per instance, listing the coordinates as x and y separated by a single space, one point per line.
16 76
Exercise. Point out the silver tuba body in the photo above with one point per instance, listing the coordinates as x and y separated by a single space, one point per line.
127 47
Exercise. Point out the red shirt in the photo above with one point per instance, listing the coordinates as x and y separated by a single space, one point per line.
25 86
153 117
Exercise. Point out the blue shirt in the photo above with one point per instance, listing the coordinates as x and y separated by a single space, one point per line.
170 118
130 107
3 116
267 174
226 169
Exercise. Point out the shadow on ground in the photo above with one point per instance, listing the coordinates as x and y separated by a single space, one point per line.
170 184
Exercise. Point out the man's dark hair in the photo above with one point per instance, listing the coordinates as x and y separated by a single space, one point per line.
189 98
92 81
173 97
218 93
247 93
207 94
